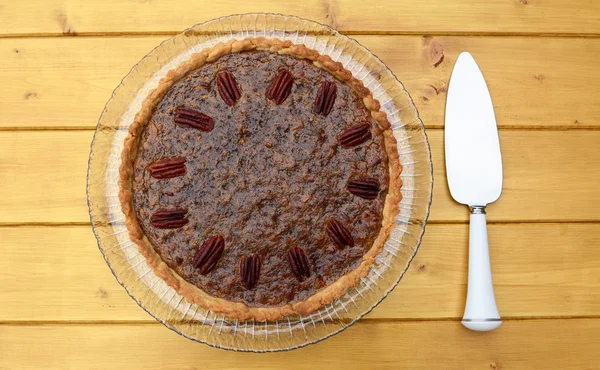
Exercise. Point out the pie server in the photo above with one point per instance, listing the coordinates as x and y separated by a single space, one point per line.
474 170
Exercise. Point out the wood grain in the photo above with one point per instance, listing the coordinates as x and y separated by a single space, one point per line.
44 174
546 82
537 344
540 270
53 279
71 17
548 175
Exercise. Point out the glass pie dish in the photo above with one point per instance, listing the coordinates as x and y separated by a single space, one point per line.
199 324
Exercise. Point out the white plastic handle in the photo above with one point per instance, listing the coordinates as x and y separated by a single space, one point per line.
481 313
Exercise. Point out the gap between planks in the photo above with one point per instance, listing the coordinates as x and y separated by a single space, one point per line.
430 127
153 322
347 32
430 222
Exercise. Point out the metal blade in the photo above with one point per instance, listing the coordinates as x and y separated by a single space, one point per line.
473 159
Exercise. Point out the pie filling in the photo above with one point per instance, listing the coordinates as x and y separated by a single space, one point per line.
260 179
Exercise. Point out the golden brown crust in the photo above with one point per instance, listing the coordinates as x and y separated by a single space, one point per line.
193 294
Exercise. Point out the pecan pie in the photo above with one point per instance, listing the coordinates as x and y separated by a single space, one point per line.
260 179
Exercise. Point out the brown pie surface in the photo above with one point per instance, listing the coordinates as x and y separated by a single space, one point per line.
260 179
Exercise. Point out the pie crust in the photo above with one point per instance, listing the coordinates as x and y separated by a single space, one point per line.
195 295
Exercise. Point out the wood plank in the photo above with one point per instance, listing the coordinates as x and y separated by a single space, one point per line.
65 82
497 16
540 270
537 344
548 175
45 175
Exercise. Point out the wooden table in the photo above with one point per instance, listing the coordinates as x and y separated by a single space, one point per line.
60 307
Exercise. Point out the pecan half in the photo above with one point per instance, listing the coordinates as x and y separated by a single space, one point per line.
298 262
325 98
281 87
365 188
169 218
167 168
228 88
194 119
209 254
250 270
356 135
338 234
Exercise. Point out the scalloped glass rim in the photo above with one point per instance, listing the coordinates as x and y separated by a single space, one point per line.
162 302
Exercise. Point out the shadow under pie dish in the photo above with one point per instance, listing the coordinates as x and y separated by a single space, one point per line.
260 179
